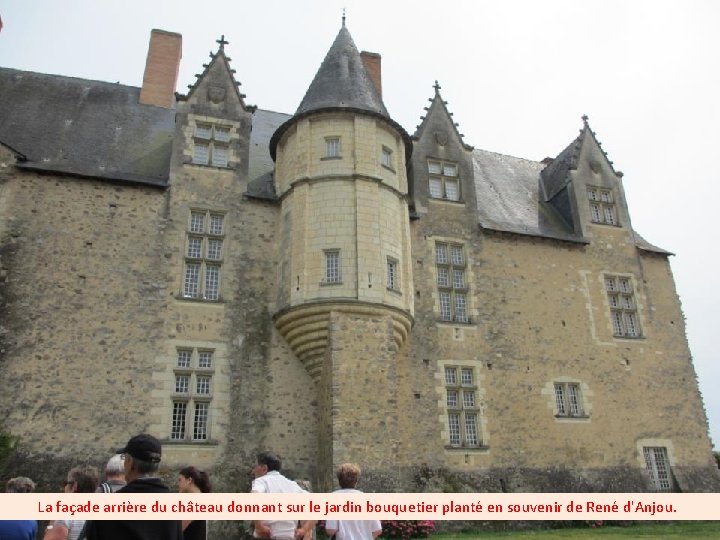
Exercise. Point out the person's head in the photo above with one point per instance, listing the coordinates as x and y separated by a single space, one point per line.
348 475
142 455
115 468
20 484
266 462
192 480
82 480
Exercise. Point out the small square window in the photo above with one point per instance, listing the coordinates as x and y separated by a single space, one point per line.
194 247
182 384
205 359
387 157
203 385
222 134
197 222
332 266
220 156
203 131
183 358
332 147
451 376
436 188
201 154
214 249
216 224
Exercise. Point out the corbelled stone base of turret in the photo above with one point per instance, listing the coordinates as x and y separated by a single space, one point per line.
306 328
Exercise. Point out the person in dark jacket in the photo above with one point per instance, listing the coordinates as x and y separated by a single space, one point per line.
142 460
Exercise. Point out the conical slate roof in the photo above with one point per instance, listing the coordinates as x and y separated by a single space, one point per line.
342 81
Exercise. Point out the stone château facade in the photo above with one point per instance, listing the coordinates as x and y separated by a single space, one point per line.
327 286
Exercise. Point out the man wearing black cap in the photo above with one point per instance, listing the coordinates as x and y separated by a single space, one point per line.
142 461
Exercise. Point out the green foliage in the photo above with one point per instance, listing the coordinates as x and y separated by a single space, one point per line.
717 458
7 445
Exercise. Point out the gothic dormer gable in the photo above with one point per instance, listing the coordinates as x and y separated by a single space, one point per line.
583 186
438 123
216 92
213 120
442 170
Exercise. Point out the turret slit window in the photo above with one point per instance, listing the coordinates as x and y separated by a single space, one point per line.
210 145
658 467
332 267
462 409
602 206
393 277
332 147
452 287
443 180
203 255
568 400
192 395
623 310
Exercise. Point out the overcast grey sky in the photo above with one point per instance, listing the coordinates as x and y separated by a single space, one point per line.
517 74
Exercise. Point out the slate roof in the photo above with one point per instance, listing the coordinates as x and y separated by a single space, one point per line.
261 167
510 198
86 128
98 129
342 81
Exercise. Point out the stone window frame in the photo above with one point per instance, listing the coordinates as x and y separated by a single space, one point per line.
451 282
439 178
659 474
657 465
333 147
603 210
622 305
393 274
386 158
214 138
332 267
460 408
191 404
202 266
569 400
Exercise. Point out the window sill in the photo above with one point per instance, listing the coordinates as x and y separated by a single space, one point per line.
228 167
198 300
458 202
387 167
456 323
330 283
188 442
629 338
479 448
394 291
616 225
579 417
330 158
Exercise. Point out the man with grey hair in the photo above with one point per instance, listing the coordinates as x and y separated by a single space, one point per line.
19 529
114 475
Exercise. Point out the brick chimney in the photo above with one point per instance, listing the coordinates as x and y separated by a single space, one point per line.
161 69
372 65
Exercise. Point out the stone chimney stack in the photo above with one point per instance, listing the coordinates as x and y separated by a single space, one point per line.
372 63
161 69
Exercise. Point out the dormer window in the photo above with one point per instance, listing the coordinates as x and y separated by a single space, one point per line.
443 180
210 145
602 206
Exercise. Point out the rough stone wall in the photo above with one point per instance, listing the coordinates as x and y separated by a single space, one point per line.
83 290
